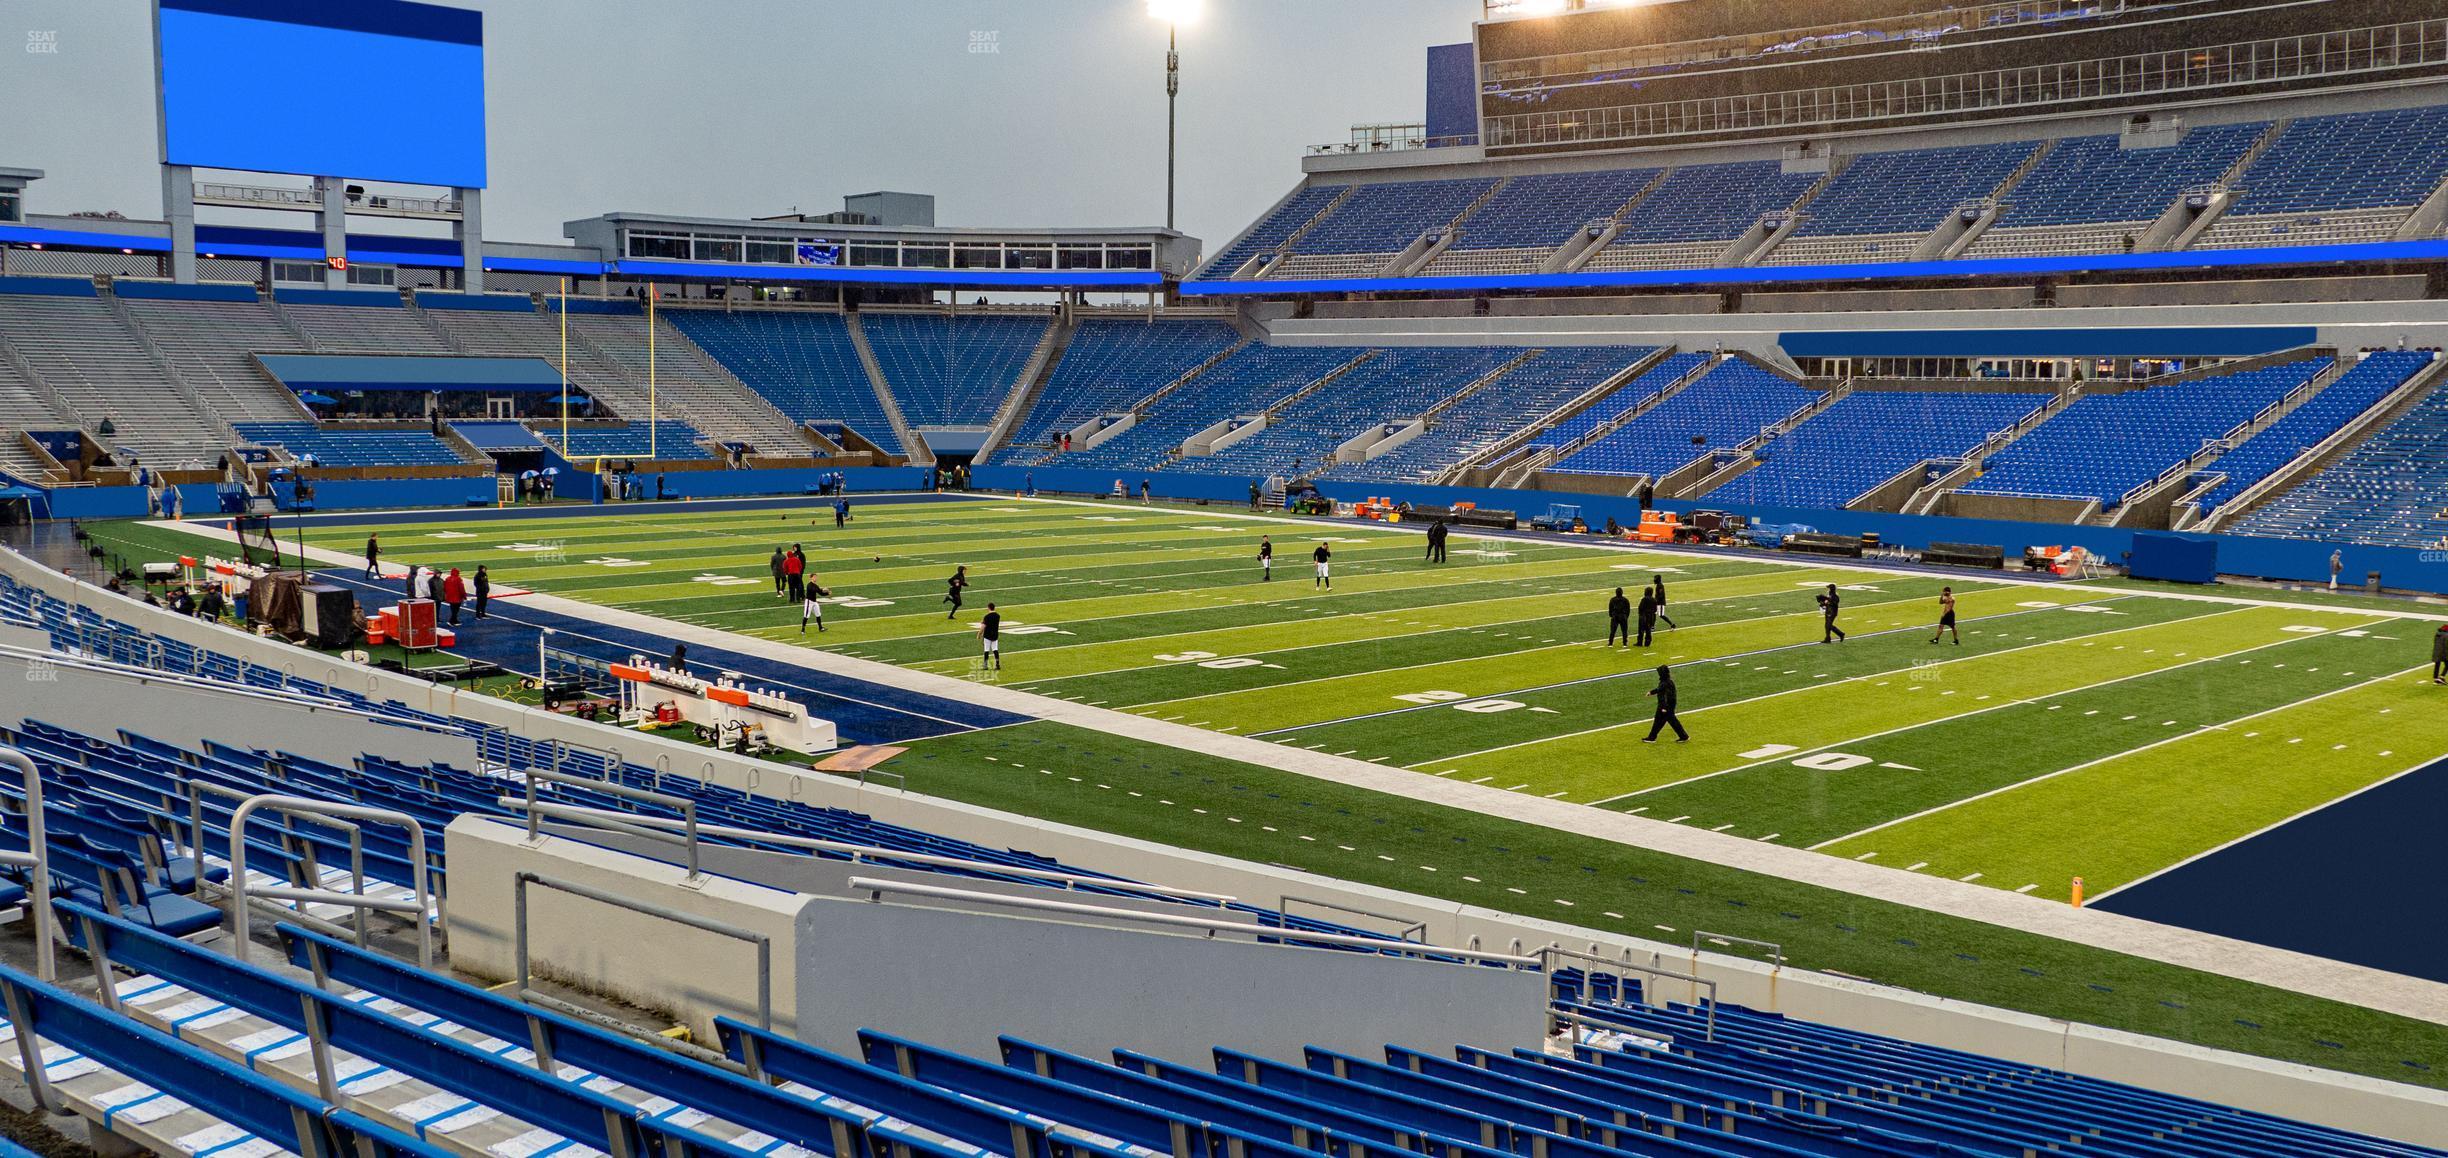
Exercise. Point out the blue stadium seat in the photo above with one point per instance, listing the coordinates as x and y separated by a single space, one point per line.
1724 408
2092 179
1553 377
340 446
2103 445
952 370
2385 491
2320 416
1109 365
1399 382
1274 229
1248 381
669 439
1386 217
802 361
1866 438
1908 191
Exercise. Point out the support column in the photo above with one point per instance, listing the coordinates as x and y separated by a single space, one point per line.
332 221
470 232
178 209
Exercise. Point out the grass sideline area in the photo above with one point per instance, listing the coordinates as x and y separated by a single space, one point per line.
1924 757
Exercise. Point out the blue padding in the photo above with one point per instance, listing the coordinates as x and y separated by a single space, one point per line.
376 299
174 292
83 239
2177 558
58 287
2159 341
499 303
211 237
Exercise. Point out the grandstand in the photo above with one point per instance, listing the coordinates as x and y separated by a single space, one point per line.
1729 405
1108 365
668 439
2103 446
952 370
2346 178
1249 381
345 447
1303 432
803 362
76 345
1846 449
1474 423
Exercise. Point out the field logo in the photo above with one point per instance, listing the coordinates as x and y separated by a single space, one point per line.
41 671
42 42
985 42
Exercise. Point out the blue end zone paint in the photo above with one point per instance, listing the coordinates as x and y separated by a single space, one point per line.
2350 882
862 712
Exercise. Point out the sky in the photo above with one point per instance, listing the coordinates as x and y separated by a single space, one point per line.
1011 112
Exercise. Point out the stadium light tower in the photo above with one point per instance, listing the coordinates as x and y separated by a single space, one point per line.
1174 13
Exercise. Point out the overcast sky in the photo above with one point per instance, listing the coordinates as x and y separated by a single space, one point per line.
726 108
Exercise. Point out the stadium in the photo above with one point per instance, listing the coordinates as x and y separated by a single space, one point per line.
1724 579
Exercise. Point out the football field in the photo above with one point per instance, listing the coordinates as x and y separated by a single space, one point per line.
2075 731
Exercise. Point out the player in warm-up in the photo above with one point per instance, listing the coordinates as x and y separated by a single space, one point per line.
1829 601
1657 587
990 639
953 587
1619 619
810 606
1266 558
1322 555
1648 617
1664 694
1946 616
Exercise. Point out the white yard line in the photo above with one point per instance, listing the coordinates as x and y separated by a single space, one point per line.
2204 730
1787 757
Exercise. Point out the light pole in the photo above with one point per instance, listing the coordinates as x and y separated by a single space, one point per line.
1172 99
1174 13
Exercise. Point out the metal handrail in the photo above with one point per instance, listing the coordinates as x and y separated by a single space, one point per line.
1776 952
876 889
37 858
682 804
421 905
526 986
1283 906
859 852
1548 956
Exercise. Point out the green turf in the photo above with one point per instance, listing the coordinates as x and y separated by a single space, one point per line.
1137 789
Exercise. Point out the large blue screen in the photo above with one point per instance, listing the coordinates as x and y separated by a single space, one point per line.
378 90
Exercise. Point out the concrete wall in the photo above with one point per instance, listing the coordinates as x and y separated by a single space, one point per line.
187 714
958 979
660 966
